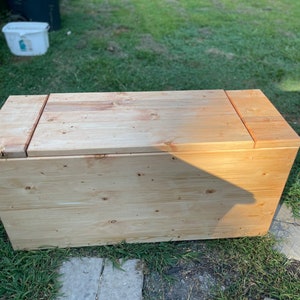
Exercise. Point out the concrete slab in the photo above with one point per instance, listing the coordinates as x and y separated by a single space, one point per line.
287 230
97 279
285 214
125 284
80 278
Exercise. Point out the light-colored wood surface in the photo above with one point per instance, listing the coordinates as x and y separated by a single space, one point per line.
91 200
181 165
18 118
95 123
265 124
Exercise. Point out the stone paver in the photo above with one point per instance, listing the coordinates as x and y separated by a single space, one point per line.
80 278
121 284
287 231
97 279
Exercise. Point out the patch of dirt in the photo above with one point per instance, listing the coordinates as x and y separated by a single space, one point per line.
108 35
219 4
175 4
20 59
81 44
148 44
120 29
292 118
114 48
172 2
187 281
288 34
205 31
191 280
294 268
218 52
199 278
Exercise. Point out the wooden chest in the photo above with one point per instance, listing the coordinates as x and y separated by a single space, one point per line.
101 168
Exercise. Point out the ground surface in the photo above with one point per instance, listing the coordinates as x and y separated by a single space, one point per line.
137 45
192 280
208 279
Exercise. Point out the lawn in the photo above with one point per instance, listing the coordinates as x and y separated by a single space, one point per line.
139 45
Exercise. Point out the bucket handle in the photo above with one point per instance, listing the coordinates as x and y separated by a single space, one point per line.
24 33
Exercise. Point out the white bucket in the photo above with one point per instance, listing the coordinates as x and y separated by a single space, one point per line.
27 38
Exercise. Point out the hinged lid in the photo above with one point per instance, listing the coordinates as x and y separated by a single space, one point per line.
18 118
135 122
265 124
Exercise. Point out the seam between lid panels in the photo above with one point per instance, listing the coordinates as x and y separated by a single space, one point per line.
35 124
238 113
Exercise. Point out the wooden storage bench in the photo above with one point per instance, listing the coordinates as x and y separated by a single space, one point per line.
100 168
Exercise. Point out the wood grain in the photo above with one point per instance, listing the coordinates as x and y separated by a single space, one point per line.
18 118
92 200
141 166
265 124
101 123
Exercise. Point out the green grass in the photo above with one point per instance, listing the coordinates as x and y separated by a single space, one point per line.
33 274
250 268
140 45
291 194
246 268
28 275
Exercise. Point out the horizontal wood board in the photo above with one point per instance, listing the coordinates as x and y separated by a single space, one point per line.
97 123
104 199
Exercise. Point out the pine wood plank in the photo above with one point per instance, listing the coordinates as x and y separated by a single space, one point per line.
18 118
263 121
141 197
70 228
139 136
140 98
97 123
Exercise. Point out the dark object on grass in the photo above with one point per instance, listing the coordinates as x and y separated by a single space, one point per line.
37 11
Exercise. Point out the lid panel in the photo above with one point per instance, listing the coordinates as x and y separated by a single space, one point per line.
101 123
18 118
265 124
